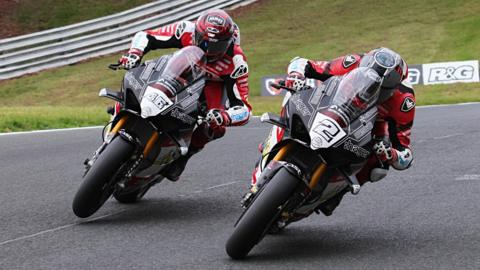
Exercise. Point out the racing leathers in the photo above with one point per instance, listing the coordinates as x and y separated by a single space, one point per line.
226 89
392 129
394 122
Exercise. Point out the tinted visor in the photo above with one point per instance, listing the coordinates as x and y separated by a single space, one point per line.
214 49
386 60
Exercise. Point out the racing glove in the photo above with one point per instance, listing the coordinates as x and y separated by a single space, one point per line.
384 151
296 74
400 160
131 59
217 118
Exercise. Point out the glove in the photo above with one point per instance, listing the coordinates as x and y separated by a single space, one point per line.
131 59
295 81
384 151
296 74
217 118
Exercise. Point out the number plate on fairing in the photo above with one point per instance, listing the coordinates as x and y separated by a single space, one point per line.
154 102
325 132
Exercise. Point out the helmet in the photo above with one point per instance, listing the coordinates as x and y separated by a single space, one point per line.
389 65
214 33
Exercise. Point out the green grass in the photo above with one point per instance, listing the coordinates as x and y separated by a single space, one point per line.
273 32
47 117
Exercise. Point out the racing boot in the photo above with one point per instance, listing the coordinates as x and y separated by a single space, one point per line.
173 170
329 206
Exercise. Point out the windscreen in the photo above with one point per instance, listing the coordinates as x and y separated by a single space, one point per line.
357 91
183 68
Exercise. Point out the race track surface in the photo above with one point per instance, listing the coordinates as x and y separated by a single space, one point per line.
424 218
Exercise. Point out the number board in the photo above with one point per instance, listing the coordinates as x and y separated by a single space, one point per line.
325 132
154 102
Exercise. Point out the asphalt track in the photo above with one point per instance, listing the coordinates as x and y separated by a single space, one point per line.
424 218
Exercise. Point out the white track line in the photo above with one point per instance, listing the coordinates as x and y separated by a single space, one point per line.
49 130
58 228
468 177
448 136
222 185
447 105
100 217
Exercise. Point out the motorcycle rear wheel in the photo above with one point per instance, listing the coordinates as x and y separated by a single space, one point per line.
97 185
260 215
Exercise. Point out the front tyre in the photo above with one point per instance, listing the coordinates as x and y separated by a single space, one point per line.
97 187
261 214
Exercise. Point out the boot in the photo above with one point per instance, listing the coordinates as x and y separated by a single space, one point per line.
173 170
329 206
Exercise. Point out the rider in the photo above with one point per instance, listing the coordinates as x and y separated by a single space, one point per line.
396 110
226 89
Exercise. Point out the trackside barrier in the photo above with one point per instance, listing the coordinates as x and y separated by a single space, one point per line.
77 42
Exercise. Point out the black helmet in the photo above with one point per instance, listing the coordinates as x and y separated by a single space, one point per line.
389 65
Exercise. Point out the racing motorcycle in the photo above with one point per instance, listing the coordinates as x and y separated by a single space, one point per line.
157 109
322 137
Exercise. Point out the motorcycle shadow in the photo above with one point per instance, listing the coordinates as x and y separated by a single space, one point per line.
322 242
182 209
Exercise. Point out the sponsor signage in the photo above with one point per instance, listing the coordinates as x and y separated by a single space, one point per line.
434 73
450 72
415 74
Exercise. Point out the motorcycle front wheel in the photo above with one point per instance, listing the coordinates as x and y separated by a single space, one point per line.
261 214
97 184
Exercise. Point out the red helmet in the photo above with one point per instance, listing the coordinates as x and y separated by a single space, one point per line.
214 33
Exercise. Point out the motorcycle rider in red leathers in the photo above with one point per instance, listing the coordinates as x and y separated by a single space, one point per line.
219 37
396 111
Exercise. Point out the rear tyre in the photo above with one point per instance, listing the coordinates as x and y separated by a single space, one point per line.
97 185
263 211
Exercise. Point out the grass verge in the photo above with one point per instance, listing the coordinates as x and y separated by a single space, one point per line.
274 31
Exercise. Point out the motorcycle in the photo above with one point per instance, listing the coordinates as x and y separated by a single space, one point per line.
322 137
159 106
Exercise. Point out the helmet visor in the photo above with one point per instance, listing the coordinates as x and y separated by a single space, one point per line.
214 48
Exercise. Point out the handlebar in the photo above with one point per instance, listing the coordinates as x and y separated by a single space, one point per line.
115 66
279 86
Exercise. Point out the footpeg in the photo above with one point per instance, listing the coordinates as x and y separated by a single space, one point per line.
353 183
355 189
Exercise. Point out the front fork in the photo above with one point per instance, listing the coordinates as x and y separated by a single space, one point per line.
117 129
317 173
107 139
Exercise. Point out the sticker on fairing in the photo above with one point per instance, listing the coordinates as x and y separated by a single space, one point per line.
325 132
154 102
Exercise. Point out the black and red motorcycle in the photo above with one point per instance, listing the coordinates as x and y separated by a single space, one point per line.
158 108
321 139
